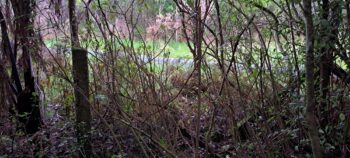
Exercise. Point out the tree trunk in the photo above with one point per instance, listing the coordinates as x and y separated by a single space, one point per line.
198 37
325 60
28 99
310 117
81 86
329 33
8 51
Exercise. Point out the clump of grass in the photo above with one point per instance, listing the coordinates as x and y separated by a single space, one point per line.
179 50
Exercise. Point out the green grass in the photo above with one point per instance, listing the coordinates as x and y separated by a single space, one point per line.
173 49
179 50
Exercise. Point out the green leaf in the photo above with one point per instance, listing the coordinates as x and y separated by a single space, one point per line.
114 156
163 143
342 117
255 73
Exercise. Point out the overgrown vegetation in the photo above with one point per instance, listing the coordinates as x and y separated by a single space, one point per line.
174 78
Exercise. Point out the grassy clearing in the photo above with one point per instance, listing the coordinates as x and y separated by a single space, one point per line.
173 49
179 50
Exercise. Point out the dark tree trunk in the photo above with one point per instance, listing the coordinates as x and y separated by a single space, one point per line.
325 60
7 49
28 99
81 86
310 118
198 57
329 32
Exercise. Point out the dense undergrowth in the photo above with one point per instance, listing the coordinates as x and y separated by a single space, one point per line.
166 85
154 114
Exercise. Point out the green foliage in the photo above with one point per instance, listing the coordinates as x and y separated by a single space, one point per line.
163 143
159 6
342 117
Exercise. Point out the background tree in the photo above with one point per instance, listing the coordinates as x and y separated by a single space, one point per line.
81 85
309 77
